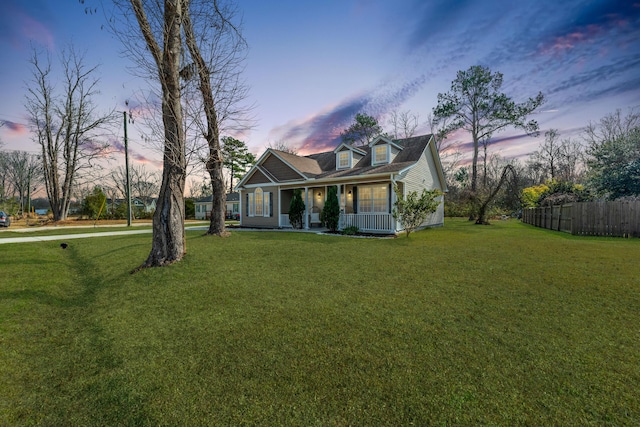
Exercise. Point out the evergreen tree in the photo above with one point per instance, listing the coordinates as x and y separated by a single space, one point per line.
296 209
330 215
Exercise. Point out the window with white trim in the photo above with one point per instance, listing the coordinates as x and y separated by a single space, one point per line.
344 159
373 199
267 204
250 204
259 202
380 154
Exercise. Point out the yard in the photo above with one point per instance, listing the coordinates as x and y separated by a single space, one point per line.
461 325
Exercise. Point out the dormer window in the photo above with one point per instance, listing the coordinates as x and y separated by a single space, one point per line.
344 159
381 154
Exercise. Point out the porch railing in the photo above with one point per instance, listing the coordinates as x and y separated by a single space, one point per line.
368 221
284 220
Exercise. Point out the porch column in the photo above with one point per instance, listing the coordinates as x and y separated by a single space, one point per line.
394 198
241 206
306 208
279 207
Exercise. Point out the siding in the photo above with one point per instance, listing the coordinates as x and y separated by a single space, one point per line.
424 175
260 221
257 178
280 170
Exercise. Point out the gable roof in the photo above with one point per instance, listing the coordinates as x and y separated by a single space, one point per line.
323 165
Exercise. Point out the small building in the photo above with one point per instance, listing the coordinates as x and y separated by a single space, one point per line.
232 206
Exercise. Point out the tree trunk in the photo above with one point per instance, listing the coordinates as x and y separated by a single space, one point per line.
482 211
169 244
214 163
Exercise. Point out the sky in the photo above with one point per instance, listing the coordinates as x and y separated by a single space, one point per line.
312 65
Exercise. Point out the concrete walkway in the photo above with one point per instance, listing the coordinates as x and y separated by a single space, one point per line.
28 239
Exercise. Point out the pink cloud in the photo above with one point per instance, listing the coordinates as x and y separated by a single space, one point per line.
36 31
16 128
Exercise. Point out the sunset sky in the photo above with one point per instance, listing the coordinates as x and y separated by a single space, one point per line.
313 65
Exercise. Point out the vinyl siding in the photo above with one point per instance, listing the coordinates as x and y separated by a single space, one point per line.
261 221
424 175
280 170
257 178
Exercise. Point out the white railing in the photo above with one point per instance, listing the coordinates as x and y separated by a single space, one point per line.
368 221
284 220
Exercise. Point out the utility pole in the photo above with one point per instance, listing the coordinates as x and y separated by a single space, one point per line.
126 165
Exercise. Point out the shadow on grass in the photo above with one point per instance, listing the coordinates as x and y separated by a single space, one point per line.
74 357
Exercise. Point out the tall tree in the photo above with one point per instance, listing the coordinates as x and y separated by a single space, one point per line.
362 131
216 48
476 105
237 158
163 41
66 125
613 154
557 158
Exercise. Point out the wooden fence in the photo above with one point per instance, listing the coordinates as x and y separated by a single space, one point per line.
619 219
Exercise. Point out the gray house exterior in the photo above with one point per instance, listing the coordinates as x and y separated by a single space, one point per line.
364 177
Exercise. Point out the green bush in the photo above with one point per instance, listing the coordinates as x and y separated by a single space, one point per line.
352 230
296 209
330 215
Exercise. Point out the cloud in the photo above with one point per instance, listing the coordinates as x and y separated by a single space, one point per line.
15 128
26 21
116 146
321 132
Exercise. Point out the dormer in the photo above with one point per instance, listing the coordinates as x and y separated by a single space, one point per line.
383 151
347 156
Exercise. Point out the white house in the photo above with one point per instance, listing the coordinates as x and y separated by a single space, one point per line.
232 210
364 177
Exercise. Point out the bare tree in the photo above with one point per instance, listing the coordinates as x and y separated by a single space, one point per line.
282 145
66 125
216 47
23 172
144 183
403 124
157 51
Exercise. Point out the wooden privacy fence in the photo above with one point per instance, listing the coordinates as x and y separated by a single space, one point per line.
619 219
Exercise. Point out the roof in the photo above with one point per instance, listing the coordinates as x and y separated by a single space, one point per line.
231 197
323 165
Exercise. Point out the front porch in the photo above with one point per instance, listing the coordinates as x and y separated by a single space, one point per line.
366 207
366 222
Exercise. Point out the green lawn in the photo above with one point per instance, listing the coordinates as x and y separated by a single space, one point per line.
461 325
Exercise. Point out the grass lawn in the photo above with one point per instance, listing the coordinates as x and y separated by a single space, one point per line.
461 325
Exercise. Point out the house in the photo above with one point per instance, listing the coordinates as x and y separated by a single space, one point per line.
364 177
205 204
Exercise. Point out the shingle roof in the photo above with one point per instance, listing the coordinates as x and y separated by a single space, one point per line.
412 149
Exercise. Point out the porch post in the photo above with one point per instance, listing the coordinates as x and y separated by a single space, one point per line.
394 225
279 207
306 208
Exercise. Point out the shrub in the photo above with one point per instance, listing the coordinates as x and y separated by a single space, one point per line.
330 215
352 230
296 209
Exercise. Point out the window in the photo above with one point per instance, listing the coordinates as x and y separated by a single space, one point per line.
250 205
259 202
344 159
267 204
373 199
380 154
